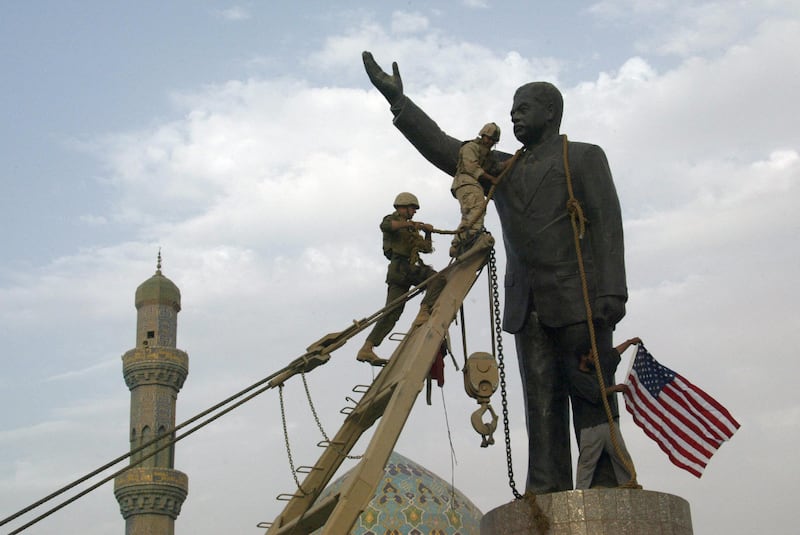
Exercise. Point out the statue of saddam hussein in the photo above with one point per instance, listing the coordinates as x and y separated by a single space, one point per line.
544 303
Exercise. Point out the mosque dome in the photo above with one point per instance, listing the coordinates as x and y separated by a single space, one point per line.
158 290
412 500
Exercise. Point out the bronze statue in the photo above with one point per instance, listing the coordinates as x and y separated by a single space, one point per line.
544 303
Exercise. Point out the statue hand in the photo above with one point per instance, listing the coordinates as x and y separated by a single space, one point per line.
608 310
391 87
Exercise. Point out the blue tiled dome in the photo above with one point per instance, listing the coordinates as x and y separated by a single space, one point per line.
411 500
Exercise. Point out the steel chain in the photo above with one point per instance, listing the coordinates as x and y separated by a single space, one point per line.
286 440
319 423
498 328
313 409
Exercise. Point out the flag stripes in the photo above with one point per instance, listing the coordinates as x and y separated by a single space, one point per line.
686 423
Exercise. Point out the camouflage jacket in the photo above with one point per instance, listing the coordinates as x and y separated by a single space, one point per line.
473 160
405 242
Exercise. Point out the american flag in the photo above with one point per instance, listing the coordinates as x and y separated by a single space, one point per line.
686 423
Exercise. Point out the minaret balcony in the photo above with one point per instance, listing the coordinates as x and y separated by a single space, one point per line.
160 365
154 491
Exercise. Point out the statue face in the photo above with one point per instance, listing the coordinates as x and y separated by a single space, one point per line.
530 116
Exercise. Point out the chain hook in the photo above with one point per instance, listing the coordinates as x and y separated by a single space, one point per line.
485 429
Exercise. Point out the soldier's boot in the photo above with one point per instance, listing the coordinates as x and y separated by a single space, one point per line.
468 240
366 354
463 241
423 315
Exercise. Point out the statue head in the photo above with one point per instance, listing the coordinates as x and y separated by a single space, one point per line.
536 112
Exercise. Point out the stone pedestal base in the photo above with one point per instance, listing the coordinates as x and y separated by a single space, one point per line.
594 512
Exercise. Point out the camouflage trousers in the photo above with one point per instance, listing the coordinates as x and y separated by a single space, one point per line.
399 278
470 198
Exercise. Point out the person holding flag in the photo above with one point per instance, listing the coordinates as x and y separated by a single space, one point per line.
686 423
592 426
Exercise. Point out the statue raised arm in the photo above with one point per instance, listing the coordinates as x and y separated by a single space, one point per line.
390 87
544 306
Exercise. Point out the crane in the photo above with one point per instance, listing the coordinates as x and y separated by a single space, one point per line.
389 398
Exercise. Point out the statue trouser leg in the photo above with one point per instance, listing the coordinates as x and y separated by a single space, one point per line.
546 410
543 354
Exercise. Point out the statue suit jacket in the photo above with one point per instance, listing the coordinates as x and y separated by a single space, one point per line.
542 268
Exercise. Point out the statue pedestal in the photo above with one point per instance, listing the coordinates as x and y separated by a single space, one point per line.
593 512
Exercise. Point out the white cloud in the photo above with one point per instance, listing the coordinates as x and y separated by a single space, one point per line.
37 430
404 22
265 196
703 27
730 205
235 13
783 419
93 220
687 28
622 8
72 374
671 136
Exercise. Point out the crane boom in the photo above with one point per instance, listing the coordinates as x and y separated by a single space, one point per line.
389 398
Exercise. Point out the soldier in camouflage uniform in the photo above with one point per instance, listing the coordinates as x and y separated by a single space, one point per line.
473 165
402 244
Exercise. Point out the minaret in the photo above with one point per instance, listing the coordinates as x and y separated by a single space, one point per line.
151 493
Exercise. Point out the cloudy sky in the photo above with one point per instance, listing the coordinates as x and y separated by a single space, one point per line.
246 142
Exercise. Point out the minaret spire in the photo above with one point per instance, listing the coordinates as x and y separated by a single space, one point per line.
150 493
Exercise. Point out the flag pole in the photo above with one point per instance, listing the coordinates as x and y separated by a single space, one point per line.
630 364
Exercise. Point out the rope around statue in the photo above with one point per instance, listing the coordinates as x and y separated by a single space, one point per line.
578 220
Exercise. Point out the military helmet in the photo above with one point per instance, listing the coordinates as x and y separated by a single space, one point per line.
491 130
406 199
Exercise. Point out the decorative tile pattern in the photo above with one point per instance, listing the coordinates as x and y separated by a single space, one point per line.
412 500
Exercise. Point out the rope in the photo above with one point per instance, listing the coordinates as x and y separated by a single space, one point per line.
453 460
578 220
500 177
463 333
